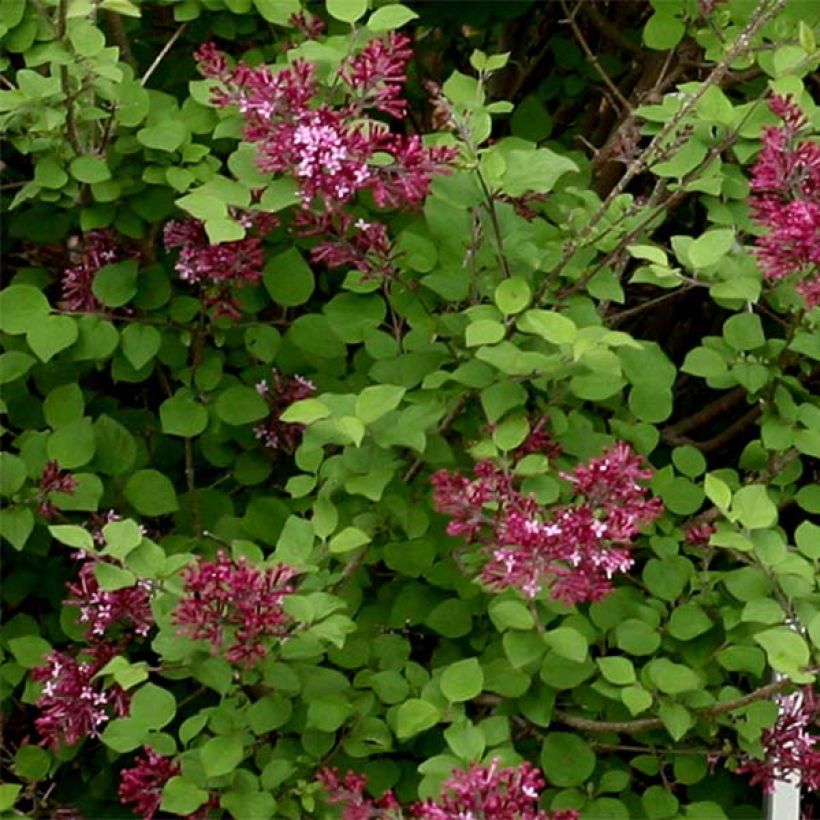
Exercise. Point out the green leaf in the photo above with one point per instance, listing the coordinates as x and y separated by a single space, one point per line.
14 364
807 538
568 643
462 680
415 716
121 537
72 536
376 401
619 671
89 169
689 460
636 699
288 279
537 171
166 135
636 637
754 509
116 448
744 331
269 713
389 18
305 411
181 797
16 524
262 342
241 405
182 415
717 491
8 795
115 285
281 193
688 621
549 325
667 579
29 650
348 11
12 474
510 615
140 343
711 247
676 719
567 760
704 362
72 445
151 493
152 706
672 678
21 308
512 295
350 538
32 762
111 577
125 673
663 31
787 652
484 332
52 334
221 755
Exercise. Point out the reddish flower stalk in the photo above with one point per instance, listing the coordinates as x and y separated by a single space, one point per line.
573 550
95 250
786 201
53 480
274 433
790 750
100 610
229 600
74 705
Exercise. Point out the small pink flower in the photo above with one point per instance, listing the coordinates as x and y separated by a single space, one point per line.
229 599
74 704
573 550
53 480
94 250
789 748
349 793
141 786
274 433
128 608
699 534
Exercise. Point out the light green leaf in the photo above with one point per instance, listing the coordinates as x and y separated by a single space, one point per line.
462 680
389 18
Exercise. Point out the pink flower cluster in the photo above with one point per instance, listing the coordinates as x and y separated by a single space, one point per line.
94 250
141 785
229 599
786 200
128 608
349 793
274 433
573 550
333 151
482 792
74 705
53 480
220 268
790 749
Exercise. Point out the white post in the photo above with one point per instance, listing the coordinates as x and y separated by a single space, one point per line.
784 802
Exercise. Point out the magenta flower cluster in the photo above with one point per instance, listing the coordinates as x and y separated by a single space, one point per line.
280 393
573 550
482 792
128 609
74 704
95 250
333 150
53 480
141 785
230 600
219 269
790 750
786 201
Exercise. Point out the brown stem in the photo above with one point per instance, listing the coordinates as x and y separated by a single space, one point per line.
721 405
499 239
190 481
647 724
120 38
723 437
591 57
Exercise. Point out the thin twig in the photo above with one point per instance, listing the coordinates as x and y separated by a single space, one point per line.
161 56
591 57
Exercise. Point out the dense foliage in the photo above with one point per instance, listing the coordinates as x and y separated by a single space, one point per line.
354 472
